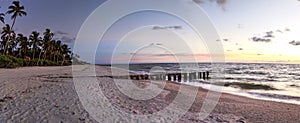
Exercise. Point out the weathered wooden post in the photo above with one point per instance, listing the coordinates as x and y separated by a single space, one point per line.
192 76
204 75
146 77
141 77
195 75
154 77
132 77
172 77
179 77
199 75
151 77
185 77
169 77
207 74
163 77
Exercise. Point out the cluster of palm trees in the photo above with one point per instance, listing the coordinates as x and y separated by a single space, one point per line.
34 47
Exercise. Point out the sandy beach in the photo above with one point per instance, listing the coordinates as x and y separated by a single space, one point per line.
47 94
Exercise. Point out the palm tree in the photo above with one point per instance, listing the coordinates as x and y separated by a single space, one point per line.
51 50
23 45
48 35
35 41
3 42
65 52
55 50
16 10
6 32
2 17
45 44
13 43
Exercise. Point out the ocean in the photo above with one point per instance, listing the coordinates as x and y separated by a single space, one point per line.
274 82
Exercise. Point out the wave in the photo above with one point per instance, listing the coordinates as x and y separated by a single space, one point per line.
278 96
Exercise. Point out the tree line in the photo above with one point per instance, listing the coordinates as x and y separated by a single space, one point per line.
37 47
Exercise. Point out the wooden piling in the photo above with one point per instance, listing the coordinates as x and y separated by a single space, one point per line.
185 77
169 77
192 76
207 75
199 75
146 77
179 77
204 75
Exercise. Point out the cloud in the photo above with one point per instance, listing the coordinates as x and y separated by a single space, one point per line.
295 43
221 3
287 29
241 49
60 33
67 39
225 39
269 34
199 1
279 31
258 39
166 27
64 37
266 38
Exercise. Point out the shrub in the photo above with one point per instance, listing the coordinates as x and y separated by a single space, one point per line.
7 61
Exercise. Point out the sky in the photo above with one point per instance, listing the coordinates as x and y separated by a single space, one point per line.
259 31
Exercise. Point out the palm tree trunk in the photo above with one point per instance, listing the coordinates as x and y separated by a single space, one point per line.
9 36
45 53
62 63
20 53
39 58
6 45
33 54
12 26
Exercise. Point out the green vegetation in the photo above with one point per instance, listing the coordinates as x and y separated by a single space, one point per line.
35 50
7 61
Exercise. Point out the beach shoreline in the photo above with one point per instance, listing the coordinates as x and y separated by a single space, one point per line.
47 94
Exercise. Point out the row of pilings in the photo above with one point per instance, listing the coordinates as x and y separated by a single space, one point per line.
176 77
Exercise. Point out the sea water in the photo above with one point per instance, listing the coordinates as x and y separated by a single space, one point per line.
283 79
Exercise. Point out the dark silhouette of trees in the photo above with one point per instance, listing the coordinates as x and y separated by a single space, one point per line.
36 49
